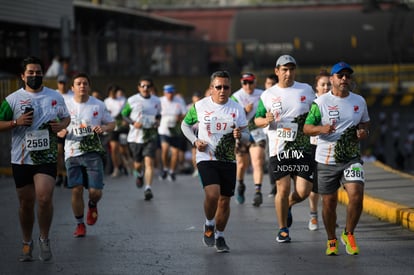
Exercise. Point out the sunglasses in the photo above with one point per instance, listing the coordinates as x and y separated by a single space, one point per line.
224 87
145 86
341 75
246 82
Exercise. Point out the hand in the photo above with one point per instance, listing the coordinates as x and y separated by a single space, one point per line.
237 133
362 133
99 129
25 119
327 129
269 117
137 125
56 126
248 108
201 145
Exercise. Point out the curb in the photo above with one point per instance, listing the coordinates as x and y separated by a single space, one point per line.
385 210
6 171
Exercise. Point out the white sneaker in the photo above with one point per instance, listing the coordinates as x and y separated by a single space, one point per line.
313 224
115 173
45 251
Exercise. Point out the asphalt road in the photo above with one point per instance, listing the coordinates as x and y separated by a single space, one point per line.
163 236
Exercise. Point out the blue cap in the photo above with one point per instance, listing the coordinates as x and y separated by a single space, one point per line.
341 66
169 88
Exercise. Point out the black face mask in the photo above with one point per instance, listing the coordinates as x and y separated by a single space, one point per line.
34 82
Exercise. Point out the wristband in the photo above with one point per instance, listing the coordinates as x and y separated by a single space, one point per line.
13 123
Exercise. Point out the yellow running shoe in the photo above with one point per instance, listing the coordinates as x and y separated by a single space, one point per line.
332 247
348 240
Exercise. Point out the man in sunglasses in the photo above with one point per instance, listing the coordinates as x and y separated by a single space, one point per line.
340 119
142 111
248 97
221 124
283 109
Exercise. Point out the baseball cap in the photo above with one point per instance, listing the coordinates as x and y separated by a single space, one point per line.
169 88
248 76
62 78
339 67
285 59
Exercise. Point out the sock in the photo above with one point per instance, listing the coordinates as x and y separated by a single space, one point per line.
91 204
210 222
314 214
218 234
28 243
79 219
258 187
241 182
147 187
136 173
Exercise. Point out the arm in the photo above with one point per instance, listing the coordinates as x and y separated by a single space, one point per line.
363 132
263 118
313 125
100 129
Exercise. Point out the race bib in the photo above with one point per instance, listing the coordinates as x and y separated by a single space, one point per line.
82 130
148 121
221 125
37 140
258 135
286 131
355 172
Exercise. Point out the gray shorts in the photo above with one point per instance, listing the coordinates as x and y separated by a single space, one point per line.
331 177
141 150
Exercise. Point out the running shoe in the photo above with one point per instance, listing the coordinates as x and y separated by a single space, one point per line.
92 215
240 193
80 231
27 252
45 251
163 175
289 217
208 237
332 247
221 245
348 240
258 199
283 236
148 194
313 224
171 177
139 182
115 173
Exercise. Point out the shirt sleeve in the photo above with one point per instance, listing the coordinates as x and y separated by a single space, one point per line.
314 116
261 109
6 112
126 110
191 116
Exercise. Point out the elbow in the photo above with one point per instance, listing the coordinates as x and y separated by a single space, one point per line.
307 130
